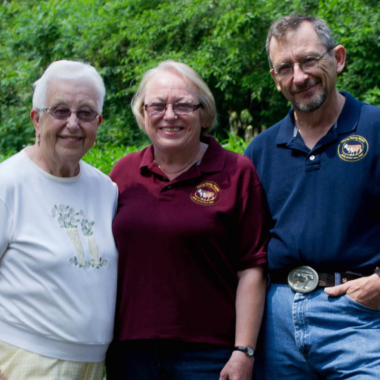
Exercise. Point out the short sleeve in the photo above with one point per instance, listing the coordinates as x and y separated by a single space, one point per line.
253 228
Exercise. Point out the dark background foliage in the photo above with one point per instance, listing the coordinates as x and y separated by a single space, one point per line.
223 40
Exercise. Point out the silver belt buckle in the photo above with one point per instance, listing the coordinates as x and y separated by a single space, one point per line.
303 279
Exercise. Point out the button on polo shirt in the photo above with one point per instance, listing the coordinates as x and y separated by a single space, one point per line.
324 202
181 243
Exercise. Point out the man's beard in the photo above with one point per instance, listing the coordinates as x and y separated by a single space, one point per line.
313 104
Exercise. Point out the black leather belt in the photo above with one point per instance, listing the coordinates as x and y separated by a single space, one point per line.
305 279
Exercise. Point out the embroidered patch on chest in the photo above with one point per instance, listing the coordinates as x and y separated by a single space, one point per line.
353 148
206 194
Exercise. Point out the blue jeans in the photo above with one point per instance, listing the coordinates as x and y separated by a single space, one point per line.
165 360
313 336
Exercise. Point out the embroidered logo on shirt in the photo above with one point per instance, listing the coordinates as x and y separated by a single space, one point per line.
353 148
68 219
206 194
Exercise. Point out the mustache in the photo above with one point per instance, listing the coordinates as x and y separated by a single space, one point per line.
303 86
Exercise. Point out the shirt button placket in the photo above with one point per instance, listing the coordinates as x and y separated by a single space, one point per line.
312 162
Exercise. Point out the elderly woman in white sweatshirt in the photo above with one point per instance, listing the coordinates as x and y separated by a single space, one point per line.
58 260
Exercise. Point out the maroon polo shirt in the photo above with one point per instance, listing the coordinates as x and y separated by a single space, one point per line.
181 243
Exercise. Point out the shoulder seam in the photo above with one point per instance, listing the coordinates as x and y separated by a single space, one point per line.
254 185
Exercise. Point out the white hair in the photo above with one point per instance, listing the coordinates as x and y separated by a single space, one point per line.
68 70
208 110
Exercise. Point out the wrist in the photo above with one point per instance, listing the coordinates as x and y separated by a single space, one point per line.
246 350
241 357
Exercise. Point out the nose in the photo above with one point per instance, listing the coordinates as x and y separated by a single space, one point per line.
72 120
298 75
169 112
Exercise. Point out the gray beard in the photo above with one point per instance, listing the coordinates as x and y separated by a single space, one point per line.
310 107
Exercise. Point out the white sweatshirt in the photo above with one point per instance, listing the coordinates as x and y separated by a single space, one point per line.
58 260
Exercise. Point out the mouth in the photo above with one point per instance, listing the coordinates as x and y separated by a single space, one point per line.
70 138
303 89
171 129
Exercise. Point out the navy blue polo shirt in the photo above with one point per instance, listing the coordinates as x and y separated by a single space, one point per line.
324 202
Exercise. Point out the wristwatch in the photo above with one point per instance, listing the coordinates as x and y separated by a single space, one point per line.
377 271
249 351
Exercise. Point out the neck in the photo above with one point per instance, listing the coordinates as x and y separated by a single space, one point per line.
174 163
314 125
52 165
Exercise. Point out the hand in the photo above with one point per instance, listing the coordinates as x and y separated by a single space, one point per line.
365 290
2 377
239 367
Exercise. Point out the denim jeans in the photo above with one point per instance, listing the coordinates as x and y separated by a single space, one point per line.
313 336
165 360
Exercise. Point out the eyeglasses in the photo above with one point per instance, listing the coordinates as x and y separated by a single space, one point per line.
178 108
306 64
62 113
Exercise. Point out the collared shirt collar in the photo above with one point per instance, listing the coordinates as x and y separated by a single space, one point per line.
347 120
295 132
212 161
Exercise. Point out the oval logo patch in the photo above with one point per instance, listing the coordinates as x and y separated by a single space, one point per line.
353 148
206 194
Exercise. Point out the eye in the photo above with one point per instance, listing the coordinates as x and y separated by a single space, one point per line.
284 69
60 112
183 107
158 106
86 114
309 62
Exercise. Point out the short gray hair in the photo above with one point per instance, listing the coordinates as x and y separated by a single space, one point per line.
68 70
208 109
281 27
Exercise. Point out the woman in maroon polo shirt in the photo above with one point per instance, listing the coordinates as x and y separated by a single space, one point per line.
191 237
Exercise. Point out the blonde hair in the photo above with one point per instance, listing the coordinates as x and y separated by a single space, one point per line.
208 109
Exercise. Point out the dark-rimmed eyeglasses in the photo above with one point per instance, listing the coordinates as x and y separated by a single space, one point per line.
178 108
62 113
306 64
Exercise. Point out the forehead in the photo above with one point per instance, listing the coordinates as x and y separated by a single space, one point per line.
170 84
295 44
71 91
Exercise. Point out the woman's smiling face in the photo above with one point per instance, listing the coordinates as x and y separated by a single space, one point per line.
67 141
170 131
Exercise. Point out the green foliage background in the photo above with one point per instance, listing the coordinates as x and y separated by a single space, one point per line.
222 39
104 158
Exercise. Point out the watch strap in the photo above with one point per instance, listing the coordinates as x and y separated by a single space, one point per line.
249 351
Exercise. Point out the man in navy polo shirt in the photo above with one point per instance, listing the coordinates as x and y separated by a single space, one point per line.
320 169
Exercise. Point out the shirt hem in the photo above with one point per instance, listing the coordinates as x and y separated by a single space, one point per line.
46 346
180 338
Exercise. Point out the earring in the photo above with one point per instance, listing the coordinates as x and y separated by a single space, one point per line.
37 139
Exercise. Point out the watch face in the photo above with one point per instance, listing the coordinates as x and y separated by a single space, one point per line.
250 351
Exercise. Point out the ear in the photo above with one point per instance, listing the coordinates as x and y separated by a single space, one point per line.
340 58
35 116
275 80
144 120
100 119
